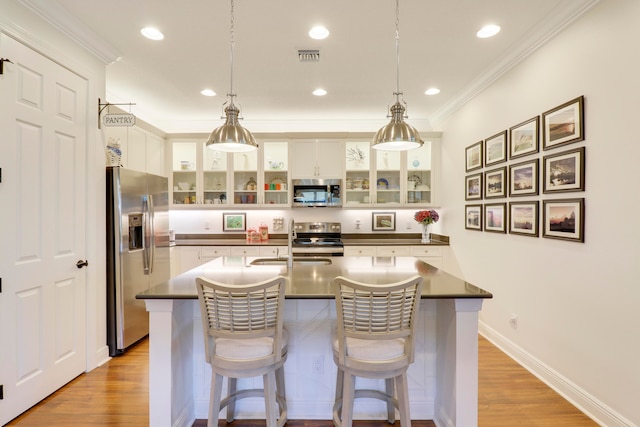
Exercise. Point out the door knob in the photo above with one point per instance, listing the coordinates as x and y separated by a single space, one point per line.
82 263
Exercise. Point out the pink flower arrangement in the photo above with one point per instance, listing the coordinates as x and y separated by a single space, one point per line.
426 217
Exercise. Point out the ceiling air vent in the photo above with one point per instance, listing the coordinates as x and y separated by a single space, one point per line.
306 55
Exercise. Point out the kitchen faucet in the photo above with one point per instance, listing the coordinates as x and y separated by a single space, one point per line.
292 235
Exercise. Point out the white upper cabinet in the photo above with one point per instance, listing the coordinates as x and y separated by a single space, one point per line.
141 150
317 159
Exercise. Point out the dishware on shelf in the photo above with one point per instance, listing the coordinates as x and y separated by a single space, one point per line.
186 165
383 184
184 186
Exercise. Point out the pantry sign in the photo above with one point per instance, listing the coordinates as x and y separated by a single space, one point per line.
119 119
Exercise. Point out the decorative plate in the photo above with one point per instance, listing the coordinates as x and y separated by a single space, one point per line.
278 180
383 183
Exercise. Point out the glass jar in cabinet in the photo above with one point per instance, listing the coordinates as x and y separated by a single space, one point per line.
387 185
276 173
357 188
214 176
184 175
419 166
245 174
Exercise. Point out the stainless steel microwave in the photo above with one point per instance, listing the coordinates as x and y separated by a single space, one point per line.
316 193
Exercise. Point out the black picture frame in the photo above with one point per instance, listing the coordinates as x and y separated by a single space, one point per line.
563 219
524 218
473 187
495 217
495 183
524 138
495 149
563 124
563 172
473 217
524 178
473 156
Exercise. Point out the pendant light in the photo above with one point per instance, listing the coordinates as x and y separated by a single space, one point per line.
397 135
231 136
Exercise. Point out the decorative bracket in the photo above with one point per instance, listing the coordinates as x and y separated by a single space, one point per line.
2 61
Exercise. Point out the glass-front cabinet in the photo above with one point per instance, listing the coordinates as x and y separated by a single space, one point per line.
419 166
389 178
276 177
205 176
184 173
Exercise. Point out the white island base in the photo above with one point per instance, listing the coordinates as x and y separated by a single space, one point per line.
443 381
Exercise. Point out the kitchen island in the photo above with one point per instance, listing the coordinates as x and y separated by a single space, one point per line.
443 379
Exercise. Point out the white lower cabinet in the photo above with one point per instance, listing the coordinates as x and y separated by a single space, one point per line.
430 254
190 257
273 251
245 251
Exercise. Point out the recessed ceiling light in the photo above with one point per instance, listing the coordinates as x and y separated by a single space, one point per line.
319 92
152 33
319 32
488 31
207 92
432 91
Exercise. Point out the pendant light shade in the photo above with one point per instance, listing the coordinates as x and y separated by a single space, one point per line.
397 135
231 136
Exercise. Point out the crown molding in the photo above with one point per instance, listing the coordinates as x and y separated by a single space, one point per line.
69 25
558 19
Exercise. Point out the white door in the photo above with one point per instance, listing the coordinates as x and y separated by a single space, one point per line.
42 224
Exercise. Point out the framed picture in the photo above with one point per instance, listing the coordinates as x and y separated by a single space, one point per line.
563 124
495 183
495 217
473 217
563 219
564 171
234 221
383 221
473 187
473 156
495 149
523 179
523 218
523 138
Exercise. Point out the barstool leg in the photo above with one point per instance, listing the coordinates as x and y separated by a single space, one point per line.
403 399
271 408
391 409
214 400
232 388
348 396
282 393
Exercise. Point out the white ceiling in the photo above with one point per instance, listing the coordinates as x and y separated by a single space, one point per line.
357 66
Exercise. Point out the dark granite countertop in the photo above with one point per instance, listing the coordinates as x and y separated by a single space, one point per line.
313 281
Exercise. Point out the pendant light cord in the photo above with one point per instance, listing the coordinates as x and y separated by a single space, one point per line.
231 43
398 93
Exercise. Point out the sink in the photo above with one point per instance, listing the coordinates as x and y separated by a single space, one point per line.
283 261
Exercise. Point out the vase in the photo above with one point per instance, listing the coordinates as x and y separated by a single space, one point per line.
425 234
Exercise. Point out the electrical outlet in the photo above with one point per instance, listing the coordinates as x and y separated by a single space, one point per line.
513 321
317 366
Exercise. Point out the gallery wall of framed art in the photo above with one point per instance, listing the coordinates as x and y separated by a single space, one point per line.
518 179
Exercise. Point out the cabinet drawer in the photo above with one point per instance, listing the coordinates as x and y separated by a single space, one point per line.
359 251
393 251
214 251
423 251
245 251
273 251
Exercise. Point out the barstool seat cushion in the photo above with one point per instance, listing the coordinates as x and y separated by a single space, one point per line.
246 349
372 349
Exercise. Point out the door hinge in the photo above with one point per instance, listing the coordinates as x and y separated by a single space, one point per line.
1 391
2 61
0 285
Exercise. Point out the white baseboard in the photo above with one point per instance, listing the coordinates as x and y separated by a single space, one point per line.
580 398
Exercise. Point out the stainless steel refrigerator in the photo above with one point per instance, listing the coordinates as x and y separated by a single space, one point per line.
137 251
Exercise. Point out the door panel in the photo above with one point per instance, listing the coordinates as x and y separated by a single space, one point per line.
43 301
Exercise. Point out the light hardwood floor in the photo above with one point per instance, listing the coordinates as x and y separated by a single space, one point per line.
116 394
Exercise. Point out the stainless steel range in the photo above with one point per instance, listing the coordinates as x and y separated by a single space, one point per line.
318 238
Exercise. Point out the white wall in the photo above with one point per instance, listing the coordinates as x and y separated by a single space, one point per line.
576 302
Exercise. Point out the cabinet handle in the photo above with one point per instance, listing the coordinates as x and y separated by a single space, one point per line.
82 263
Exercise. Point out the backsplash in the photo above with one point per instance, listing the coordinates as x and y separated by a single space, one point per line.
207 221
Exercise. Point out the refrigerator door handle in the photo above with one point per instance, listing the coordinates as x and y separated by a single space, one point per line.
145 232
152 229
